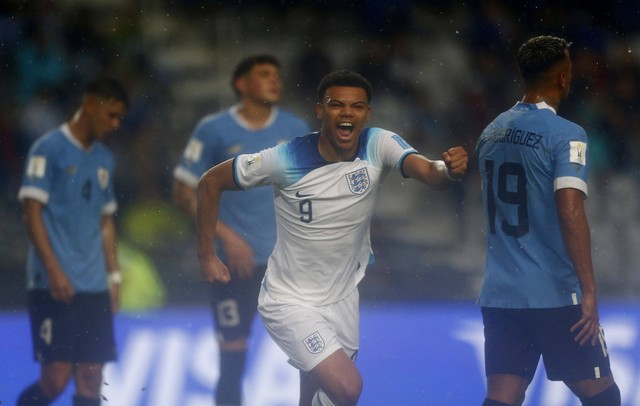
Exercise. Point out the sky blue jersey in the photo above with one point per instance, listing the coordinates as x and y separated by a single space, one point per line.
222 136
525 155
75 186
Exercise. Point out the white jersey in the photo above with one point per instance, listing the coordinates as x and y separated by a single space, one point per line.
323 212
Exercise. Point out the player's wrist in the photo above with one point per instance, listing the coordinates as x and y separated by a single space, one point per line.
114 277
451 177
444 168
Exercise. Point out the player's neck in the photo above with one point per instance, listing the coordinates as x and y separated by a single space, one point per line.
256 114
331 152
534 97
79 130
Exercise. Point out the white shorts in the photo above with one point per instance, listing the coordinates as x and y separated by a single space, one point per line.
308 334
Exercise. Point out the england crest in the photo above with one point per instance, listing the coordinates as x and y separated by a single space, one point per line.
358 181
314 343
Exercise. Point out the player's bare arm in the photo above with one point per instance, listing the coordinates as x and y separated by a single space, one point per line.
61 288
210 188
575 231
184 196
238 251
435 173
109 241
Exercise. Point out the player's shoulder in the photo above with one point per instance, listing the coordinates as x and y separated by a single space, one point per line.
292 120
51 140
214 120
381 135
288 115
377 132
568 124
301 143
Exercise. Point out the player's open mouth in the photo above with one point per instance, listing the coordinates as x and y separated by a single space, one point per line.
345 129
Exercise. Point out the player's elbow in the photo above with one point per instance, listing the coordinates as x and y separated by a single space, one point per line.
182 195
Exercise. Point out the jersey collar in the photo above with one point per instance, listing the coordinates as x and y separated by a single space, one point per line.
73 140
243 123
539 106
544 105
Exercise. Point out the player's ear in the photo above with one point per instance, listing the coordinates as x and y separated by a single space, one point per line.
563 80
319 111
89 102
240 85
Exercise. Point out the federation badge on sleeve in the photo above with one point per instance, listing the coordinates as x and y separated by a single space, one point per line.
578 152
358 181
314 343
36 166
193 152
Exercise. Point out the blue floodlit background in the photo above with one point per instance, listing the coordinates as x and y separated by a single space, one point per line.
441 70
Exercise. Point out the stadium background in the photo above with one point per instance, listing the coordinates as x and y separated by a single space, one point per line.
441 70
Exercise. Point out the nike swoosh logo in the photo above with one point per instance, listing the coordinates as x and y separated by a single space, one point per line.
298 194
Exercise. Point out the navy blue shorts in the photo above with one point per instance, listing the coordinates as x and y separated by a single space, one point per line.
235 305
80 331
516 338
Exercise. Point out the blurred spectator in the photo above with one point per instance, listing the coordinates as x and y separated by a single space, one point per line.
41 61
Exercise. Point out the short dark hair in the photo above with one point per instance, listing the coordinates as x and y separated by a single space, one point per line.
347 78
245 65
537 55
107 88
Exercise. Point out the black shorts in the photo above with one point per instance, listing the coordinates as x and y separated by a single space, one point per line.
80 331
516 338
235 305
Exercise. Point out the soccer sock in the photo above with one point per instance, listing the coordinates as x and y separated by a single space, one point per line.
608 397
229 390
489 402
33 396
82 401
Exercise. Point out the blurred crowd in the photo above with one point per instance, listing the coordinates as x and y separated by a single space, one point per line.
441 71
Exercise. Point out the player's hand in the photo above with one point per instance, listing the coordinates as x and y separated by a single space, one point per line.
456 160
114 294
213 270
60 285
240 258
588 327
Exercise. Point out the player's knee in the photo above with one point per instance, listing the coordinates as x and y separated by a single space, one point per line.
608 397
88 380
349 391
52 386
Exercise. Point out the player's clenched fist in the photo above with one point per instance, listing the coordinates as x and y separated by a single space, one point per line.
213 270
456 160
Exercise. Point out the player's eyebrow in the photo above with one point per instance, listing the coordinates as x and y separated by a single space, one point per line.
345 102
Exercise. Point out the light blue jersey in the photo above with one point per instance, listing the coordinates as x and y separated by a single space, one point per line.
324 212
525 155
223 136
75 186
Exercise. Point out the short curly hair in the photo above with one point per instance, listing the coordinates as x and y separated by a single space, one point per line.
537 55
347 78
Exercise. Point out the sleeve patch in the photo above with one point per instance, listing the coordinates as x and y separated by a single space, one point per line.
403 144
36 167
193 152
578 152
253 163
